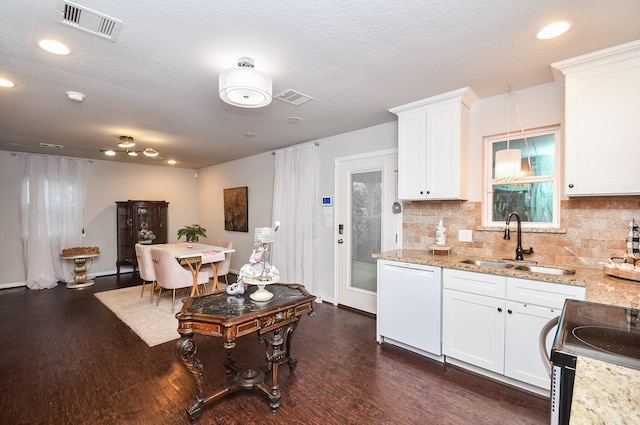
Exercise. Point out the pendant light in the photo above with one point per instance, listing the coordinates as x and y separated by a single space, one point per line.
508 162
244 86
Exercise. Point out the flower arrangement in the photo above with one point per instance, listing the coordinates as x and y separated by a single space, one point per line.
146 235
192 233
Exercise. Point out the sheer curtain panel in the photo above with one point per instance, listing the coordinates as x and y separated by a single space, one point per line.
294 198
52 194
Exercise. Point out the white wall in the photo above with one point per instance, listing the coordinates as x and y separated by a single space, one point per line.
539 106
107 182
255 172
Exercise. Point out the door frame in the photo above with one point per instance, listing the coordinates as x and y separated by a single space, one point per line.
389 198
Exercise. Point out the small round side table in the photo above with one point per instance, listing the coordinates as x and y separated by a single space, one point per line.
80 269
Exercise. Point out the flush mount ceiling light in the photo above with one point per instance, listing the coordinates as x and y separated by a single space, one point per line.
126 143
553 29
244 86
75 96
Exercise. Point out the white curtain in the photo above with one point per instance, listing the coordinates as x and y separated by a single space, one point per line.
52 192
294 201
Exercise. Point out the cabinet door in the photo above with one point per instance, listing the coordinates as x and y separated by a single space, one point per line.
473 329
411 154
523 360
443 151
602 127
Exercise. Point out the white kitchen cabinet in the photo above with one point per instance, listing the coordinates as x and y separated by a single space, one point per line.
432 146
602 129
410 306
494 322
473 329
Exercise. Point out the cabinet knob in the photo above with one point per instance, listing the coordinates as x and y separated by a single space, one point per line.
509 311
428 192
421 192
570 185
500 309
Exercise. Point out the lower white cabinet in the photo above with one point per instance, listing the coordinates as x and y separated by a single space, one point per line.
494 322
473 329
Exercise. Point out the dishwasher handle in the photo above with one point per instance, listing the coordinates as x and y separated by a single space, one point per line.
544 352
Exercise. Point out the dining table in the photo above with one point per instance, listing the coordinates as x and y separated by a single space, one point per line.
194 255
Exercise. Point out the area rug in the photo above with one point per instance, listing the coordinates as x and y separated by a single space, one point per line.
154 325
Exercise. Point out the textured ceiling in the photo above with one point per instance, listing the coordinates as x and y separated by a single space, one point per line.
159 81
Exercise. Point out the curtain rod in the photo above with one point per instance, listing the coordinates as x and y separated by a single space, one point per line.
301 144
45 155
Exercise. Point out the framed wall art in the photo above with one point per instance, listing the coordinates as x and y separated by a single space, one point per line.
236 209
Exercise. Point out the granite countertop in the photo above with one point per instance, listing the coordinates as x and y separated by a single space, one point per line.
603 393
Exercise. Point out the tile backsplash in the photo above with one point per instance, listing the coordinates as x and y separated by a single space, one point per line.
592 229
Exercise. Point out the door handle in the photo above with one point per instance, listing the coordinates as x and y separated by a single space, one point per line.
543 342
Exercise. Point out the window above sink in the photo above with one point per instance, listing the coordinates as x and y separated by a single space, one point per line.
530 185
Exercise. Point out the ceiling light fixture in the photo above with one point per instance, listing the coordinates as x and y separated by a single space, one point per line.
244 86
126 143
53 46
6 83
75 96
508 162
554 29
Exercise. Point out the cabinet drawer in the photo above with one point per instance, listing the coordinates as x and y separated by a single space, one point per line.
542 293
474 283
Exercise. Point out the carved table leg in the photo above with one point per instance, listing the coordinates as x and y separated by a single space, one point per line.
278 347
186 350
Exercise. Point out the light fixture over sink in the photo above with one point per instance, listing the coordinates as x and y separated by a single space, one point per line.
244 86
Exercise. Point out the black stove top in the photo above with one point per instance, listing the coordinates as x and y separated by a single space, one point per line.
599 331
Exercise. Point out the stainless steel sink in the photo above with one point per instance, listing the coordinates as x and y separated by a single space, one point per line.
546 270
488 263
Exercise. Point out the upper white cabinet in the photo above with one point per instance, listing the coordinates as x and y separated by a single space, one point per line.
602 129
432 146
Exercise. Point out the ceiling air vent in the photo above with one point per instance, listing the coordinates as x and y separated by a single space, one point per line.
87 20
293 97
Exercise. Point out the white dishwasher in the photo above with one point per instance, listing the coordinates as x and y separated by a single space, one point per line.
410 306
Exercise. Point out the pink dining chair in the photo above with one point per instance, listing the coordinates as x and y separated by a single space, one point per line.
225 265
171 275
145 267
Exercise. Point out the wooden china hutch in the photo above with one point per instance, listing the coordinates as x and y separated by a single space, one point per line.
139 221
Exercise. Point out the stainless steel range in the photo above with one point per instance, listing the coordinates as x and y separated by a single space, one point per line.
599 331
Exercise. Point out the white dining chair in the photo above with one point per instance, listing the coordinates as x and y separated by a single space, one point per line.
224 266
145 267
171 275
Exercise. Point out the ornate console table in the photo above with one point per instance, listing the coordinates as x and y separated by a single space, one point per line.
231 317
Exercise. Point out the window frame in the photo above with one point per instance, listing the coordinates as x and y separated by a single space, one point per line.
489 181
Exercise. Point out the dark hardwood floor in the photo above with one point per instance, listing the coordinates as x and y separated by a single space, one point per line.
67 359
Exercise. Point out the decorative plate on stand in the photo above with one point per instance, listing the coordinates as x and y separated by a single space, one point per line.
261 295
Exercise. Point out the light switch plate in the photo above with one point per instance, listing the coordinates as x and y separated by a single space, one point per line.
465 235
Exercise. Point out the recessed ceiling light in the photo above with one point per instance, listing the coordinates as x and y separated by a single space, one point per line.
171 162
553 29
6 83
292 120
75 96
53 46
249 134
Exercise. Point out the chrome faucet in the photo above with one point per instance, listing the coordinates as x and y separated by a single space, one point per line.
507 236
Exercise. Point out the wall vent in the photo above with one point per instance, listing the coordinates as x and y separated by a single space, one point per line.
51 146
87 20
293 97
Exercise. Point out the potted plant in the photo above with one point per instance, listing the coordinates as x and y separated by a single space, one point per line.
192 233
